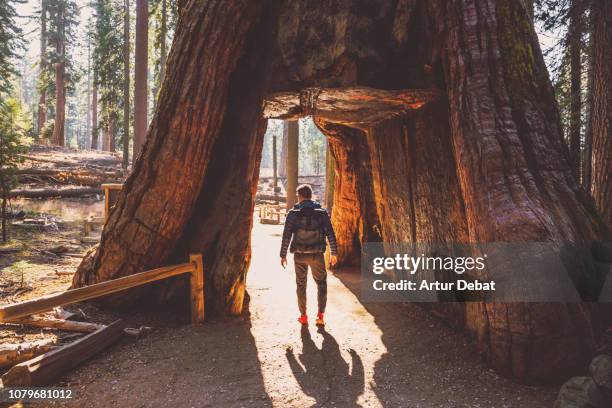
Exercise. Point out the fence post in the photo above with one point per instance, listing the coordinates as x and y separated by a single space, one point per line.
196 283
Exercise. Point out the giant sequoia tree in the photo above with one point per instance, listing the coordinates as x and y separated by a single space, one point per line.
601 111
476 157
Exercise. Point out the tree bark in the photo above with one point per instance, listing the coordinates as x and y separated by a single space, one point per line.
354 210
159 199
601 115
330 174
140 75
60 88
515 177
292 165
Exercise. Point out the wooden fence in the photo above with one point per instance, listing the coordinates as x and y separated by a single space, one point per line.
46 368
45 303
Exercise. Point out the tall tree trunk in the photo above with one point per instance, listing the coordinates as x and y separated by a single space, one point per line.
140 75
126 83
515 176
292 165
4 214
94 115
188 126
112 135
60 88
575 40
88 135
282 168
601 115
42 101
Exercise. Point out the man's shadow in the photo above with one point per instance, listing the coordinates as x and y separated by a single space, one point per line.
323 374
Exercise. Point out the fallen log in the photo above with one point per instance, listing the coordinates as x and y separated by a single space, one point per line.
48 367
55 192
270 197
78 176
59 324
69 163
11 354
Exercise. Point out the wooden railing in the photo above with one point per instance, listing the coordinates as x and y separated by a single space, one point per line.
109 197
194 267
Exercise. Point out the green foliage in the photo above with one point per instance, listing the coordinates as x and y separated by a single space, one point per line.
160 35
107 38
61 33
13 129
312 148
10 43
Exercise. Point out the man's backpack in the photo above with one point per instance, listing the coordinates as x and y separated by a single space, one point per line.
308 236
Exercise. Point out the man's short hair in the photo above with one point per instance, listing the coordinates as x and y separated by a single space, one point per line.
305 191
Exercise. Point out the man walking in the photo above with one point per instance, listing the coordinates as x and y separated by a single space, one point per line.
306 227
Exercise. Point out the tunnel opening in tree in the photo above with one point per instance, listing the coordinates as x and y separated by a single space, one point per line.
481 159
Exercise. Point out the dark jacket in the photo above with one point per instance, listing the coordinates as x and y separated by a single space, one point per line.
292 223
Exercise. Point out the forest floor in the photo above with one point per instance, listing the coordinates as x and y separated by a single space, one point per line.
370 355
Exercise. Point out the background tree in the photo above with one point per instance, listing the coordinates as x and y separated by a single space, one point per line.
43 83
109 63
575 33
63 16
140 75
12 133
126 83
566 58
11 128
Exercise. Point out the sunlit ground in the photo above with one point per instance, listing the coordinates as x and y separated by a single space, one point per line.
350 327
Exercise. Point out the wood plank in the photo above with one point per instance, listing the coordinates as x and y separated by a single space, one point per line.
54 192
359 107
46 368
196 284
48 302
11 354
60 324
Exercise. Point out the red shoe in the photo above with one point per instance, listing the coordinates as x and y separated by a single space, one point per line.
320 321
303 319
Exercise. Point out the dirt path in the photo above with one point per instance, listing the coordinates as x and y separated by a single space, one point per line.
371 355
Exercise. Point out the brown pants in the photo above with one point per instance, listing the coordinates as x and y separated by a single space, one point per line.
317 267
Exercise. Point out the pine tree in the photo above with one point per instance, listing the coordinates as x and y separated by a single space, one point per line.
10 44
43 80
108 67
126 83
10 131
140 75
63 16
